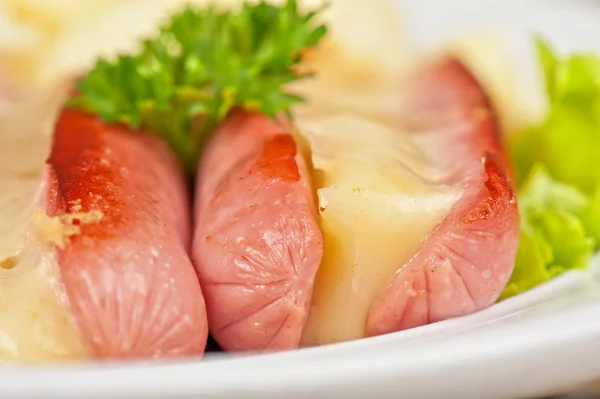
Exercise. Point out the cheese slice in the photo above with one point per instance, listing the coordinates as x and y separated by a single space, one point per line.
377 202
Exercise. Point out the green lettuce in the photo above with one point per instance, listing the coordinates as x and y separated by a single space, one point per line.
590 216
558 174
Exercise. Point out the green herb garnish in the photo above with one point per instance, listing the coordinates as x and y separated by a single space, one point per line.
558 165
199 66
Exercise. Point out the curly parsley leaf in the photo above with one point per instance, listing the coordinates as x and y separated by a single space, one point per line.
200 65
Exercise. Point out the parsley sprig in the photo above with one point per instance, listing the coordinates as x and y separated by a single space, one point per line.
201 64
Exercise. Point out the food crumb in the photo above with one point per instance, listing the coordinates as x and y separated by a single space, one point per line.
56 230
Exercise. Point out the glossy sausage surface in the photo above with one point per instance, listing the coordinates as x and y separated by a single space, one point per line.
257 244
124 258
465 263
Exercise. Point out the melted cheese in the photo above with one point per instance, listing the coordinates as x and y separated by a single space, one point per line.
36 323
376 203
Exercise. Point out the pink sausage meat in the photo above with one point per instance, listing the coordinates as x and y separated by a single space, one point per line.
257 243
464 264
128 276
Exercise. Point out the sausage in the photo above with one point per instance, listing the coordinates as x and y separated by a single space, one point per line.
257 243
464 264
123 250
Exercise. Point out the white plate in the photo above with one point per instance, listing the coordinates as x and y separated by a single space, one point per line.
545 341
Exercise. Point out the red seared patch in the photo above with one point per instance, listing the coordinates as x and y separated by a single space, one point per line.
129 280
463 265
85 173
278 158
498 203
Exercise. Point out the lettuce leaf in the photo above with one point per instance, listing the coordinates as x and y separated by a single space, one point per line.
590 216
568 140
554 238
534 254
558 173
541 192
